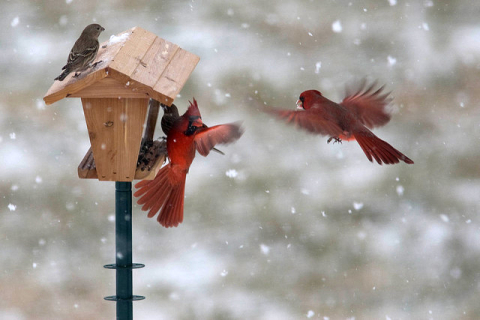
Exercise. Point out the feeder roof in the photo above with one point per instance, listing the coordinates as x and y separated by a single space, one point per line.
134 64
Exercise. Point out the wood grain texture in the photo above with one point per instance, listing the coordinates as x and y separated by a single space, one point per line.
110 88
139 88
153 64
62 89
87 168
151 123
115 129
134 49
176 74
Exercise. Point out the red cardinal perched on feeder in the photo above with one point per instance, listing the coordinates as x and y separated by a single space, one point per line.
185 134
362 109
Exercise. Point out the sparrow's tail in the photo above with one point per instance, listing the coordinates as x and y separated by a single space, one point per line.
165 192
63 75
376 148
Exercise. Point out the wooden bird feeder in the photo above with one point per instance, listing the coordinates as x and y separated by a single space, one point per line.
133 67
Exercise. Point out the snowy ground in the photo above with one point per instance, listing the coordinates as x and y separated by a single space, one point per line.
284 226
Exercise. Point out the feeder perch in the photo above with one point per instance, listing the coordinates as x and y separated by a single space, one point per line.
133 67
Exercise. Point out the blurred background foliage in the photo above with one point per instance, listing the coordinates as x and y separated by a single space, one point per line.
298 228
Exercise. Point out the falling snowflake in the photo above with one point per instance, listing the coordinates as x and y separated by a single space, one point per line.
63 20
428 3
357 205
265 249
12 207
15 21
444 218
400 190
391 61
305 191
232 173
40 104
337 26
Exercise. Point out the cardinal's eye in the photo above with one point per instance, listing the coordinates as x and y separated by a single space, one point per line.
190 130
302 99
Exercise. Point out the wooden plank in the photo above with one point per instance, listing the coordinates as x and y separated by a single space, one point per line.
109 49
154 62
129 56
110 88
153 110
176 74
139 88
69 86
86 168
115 129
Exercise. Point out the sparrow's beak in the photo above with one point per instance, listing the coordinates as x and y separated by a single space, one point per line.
300 105
103 29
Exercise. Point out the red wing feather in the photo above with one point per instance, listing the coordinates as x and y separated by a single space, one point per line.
207 138
367 104
311 120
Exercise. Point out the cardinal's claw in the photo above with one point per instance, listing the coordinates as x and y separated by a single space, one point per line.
335 140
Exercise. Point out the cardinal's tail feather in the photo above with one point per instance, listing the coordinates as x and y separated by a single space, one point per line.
165 192
376 148
172 211
146 186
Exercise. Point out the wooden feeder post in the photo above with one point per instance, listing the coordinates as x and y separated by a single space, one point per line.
132 68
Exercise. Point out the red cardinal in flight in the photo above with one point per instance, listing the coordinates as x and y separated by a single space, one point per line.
362 109
186 135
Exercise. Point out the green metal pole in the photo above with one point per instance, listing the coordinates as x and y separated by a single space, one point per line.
123 250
